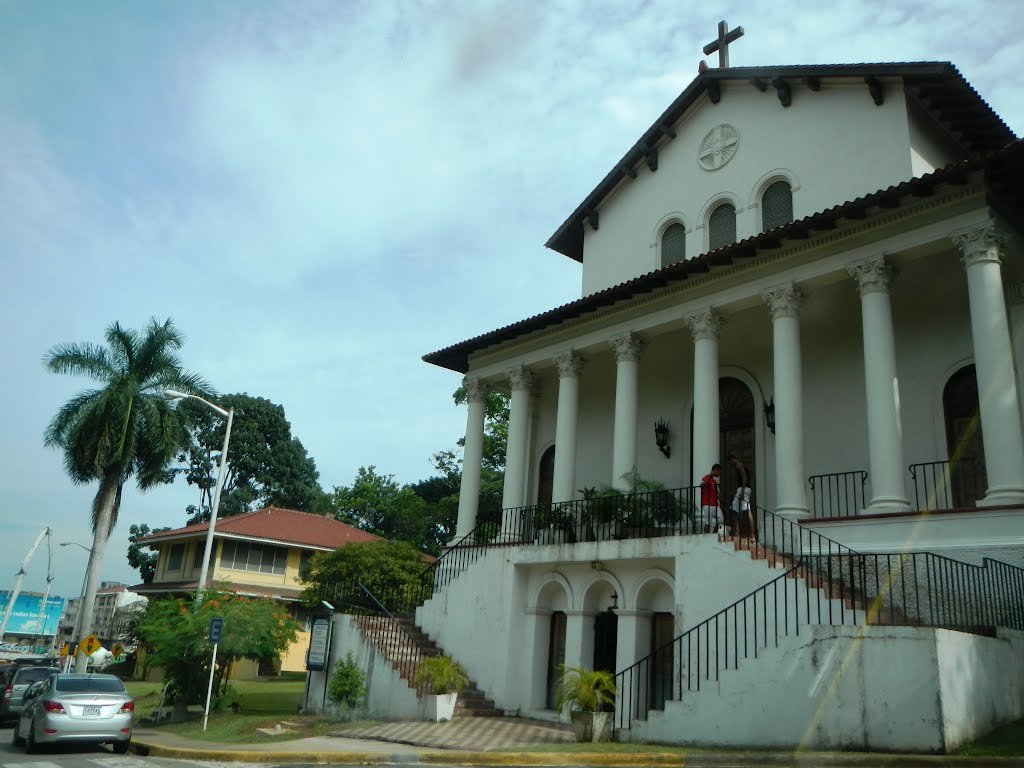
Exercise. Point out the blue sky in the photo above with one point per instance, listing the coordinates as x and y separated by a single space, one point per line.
321 192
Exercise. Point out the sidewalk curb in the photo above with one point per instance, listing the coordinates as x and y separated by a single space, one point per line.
611 760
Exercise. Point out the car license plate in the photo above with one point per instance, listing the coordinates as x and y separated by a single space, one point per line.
91 711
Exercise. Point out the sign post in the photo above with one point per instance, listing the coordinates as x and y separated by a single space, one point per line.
216 629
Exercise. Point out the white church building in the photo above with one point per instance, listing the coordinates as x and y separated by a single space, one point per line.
819 271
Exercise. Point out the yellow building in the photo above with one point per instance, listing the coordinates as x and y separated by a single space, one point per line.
258 554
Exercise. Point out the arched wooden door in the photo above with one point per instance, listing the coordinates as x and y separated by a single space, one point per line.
964 445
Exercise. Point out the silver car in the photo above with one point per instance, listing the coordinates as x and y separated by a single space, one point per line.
16 681
79 708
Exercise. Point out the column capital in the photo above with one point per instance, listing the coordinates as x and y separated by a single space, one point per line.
476 390
783 300
705 325
979 244
626 347
520 378
569 364
873 275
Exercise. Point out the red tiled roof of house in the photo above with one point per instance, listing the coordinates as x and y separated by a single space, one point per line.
276 524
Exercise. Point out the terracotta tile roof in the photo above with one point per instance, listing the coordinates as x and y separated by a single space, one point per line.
276 524
1002 171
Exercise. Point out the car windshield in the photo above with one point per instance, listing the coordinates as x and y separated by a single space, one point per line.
35 674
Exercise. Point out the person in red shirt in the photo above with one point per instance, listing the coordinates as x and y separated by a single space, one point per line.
711 500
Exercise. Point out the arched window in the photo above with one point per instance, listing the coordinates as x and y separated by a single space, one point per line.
776 205
673 245
722 226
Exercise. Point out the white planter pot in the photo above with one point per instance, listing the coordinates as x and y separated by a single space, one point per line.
592 726
442 707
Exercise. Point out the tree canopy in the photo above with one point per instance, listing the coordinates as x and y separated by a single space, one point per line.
139 556
122 429
174 635
267 465
391 570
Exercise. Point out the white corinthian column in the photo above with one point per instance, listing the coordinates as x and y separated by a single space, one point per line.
998 398
521 381
784 304
706 439
627 356
569 365
472 456
885 431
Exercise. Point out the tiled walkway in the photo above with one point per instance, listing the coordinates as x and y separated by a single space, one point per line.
477 734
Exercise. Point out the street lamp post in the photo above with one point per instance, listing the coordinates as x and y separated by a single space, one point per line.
81 601
171 394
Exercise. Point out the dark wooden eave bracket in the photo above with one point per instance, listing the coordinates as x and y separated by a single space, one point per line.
784 92
875 89
714 91
651 156
593 217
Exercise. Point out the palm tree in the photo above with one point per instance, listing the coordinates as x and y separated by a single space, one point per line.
125 428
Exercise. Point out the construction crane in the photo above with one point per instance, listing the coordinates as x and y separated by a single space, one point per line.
45 533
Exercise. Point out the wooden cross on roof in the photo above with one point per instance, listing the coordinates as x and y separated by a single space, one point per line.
725 36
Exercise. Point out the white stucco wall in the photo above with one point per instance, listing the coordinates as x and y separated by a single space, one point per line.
833 146
389 697
506 597
871 688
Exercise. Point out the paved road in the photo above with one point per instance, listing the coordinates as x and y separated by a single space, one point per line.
82 756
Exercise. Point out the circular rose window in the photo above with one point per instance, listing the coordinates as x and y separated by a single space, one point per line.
718 147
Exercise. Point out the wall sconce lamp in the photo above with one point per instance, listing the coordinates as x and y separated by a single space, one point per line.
615 602
769 414
661 437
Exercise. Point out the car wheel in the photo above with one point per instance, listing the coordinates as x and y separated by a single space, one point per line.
31 747
16 740
120 747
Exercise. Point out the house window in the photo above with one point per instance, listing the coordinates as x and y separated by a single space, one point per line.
197 561
305 557
776 205
259 558
177 555
722 226
673 245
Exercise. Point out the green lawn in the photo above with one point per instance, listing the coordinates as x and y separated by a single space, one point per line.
1002 742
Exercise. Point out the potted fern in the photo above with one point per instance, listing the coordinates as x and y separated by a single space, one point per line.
589 695
444 679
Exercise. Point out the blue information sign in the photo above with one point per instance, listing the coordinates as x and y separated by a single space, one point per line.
216 628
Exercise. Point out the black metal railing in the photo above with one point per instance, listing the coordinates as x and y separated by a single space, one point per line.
839 494
377 615
948 484
604 516
824 583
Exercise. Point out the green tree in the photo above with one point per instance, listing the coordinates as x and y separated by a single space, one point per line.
123 429
378 504
391 570
139 555
267 465
174 633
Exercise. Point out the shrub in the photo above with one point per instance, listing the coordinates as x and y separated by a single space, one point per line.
587 690
441 675
347 687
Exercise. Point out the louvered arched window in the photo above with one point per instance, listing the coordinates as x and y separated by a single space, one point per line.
776 205
673 244
722 226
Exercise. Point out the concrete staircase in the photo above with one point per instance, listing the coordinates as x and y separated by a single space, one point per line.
403 644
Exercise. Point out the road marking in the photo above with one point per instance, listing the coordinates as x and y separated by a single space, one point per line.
30 765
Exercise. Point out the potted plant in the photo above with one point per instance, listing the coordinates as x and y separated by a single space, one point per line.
589 695
443 679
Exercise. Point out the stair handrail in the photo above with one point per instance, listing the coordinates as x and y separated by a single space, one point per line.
944 577
406 666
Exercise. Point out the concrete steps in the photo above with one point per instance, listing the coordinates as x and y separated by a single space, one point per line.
403 644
